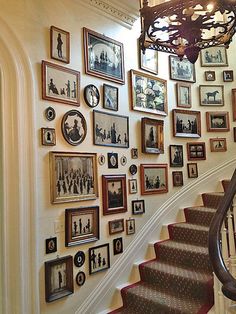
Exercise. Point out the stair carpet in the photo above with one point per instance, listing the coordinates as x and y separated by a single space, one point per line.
179 280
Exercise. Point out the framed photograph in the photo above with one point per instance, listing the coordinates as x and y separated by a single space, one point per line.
192 170
210 75
48 136
58 278
152 136
134 153
99 258
138 207
50 113
79 259
196 151
211 95
104 57
148 93
217 121
114 194
148 61
60 84
154 178
60 44
91 95
133 186
110 129
234 103
110 97
74 127
81 225
130 226
186 123
214 56
181 70
234 129
116 226
184 97
133 169
112 160
80 278
51 245
177 177
218 144
117 246
228 76
73 177
176 156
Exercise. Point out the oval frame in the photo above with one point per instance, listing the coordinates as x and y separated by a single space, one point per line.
133 169
50 113
80 278
79 259
91 95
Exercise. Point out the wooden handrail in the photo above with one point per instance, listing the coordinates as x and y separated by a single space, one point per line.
221 271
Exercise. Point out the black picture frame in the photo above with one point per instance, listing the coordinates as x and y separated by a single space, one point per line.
112 159
51 245
80 278
117 246
99 258
176 155
79 259
138 207
91 95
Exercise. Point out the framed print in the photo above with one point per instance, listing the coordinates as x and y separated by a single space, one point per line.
154 178
60 84
177 177
133 169
211 95
196 151
176 156
73 177
50 113
116 226
133 186
110 97
104 57
58 278
148 93
181 70
138 207
112 160
74 127
80 278
217 121
110 129
48 136
192 170
91 95
81 225
148 61
214 56
123 160
234 103
210 75
186 123
79 259
234 130
117 246
184 98
99 258
134 153
60 44
114 194
228 76
101 159
152 136
130 226
51 245
218 144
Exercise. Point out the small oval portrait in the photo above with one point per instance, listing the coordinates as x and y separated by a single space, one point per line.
50 114
133 169
80 278
91 95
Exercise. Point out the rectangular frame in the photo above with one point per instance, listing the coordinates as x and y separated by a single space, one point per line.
186 123
217 121
148 61
60 44
192 170
130 226
211 95
181 70
110 97
218 144
133 186
228 76
154 178
214 56
234 103
177 177
152 136
48 136
196 151
99 258
116 226
176 155
138 207
184 95
210 75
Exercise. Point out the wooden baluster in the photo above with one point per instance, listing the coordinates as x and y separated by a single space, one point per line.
217 288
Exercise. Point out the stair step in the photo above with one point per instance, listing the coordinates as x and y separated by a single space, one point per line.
199 215
212 199
225 184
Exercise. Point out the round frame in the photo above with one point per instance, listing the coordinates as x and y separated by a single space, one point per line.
91 95
80 278
133 169
123 160
50 113
79 259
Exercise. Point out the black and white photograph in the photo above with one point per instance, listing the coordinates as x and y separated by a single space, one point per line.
211 95
181 70
110 97
116 226
133 186
176 155
60 44
51 245
154 178
186 123
138 207
152 136
130 226
48 136
99 258
217 121
214 56
91 95
112 160
228 76
117 246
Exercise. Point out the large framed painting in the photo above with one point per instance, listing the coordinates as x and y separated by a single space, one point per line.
154 178
152 136
214 56
186 123
217 121
181 70
60 44
211 95
104 57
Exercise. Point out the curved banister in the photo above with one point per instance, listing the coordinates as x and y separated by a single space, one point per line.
221 271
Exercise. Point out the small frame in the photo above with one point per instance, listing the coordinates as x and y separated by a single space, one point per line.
148 93
114 194
58 278
60 44
50 113
234 130
133 169
48 136
192 170
177 177
176 156
181 70
99 258
210 75
104 57
228 76
148 61
186 123
101 159
110 97
138 207
211 95
196 151
112 160
184 97
214 56
130 226
116 226
51 245
217 121
67 171
218 144
117 246
154 178
123 160
79 259
133 186
91 95
81 225
80 278
110 129
60 84
152 136
234 103
134 153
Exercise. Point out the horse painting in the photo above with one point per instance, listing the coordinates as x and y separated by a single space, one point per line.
212 95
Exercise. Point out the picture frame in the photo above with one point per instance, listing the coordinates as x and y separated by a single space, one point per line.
186 123
60 84
234 103
51 245
138 207
117 246
114 194
196 151
60 44
99 258
101 159
177 177
133 169
81 225
80 278
148 93
112 160
181 70
211 95
234 130
133 186
217 121
123 160
79 259
210 75
116 226
184 95
67 167
154 178
228 76
214 56
152 136
50 113
192 170
48 136
58 278
130 226
91 95
110 129
176 155
134 153
218 144
99 50
148 61
110 97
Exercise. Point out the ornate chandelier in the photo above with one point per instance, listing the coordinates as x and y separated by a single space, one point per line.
184 27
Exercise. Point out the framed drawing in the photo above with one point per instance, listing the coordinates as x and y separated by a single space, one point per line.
130 226
217 121
210 75
138 207
73 177
211 95
184 98
234 103
133 186
181 70
192 170
228 76
116 226
177 177
99 258
104 57
80 278
176 156
91 95
214 56
58 278
81 225
186 123
154 178
112 160
218 144
196 151
51 245
134 153
148 61
148 93
117 246
110 97
114 194
48 136
123 160
60 84
110 129
60 44
50 113
152 136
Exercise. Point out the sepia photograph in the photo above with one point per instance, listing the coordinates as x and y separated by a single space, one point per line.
154 178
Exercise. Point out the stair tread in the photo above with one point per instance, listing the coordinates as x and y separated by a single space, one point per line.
187 225
184 246
202 209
